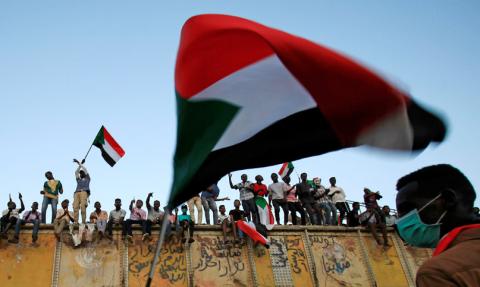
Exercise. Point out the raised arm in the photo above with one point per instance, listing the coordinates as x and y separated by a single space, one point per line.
148 200
230 181
82 167
131 205
22 206
60 187
77 171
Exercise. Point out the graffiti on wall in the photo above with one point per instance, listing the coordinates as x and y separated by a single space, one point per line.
338 260
171 268
297 257
217 264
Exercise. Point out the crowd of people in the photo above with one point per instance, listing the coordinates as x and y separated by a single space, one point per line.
305 203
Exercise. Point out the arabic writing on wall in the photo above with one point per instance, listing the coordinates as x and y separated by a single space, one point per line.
218 258
171 267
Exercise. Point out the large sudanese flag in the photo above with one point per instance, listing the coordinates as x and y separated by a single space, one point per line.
251 96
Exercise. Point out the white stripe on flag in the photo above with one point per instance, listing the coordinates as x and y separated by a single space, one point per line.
111 152
265 91
392 132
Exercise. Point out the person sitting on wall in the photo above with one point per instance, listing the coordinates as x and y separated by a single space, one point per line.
370 199
369 219
10 216
390 219
185 222
235 215
225 221
116 217
63 217
99 217
435 208
154 217
137 216
34 217
353 215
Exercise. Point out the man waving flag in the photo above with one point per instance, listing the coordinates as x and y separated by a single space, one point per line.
250 96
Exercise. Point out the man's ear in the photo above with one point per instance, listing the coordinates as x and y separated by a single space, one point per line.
450 198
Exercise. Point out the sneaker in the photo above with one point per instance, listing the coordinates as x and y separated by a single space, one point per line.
146 237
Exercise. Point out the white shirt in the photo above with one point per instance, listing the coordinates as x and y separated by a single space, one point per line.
222 217
13 213
116 215
154 215
337 196
60 212
390 220
245 193
276 190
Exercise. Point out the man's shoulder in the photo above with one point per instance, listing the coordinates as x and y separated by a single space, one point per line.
451 261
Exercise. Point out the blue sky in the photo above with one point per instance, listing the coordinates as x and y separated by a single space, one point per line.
67 67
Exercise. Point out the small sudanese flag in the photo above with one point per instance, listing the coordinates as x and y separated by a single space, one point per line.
112 152
286 169
251 96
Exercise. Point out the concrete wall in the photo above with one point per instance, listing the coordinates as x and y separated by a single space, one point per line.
298 256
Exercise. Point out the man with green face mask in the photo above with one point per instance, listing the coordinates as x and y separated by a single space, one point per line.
435 208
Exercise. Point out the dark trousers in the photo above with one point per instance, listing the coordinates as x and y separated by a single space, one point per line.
6 223
314 212
250 209
343 209
36 226
277 204
128 225
294 207
110 225
186 225
148 227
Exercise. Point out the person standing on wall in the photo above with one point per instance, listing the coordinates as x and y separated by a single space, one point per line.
52 189
82 192
338 198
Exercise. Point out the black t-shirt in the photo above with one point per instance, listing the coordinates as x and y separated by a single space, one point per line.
352 219
237 214
304 192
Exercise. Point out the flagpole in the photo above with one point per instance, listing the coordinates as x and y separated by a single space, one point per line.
160 241
88 152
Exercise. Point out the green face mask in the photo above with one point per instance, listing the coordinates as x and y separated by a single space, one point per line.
416 233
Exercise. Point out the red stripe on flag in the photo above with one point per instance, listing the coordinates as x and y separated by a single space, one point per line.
351 97
210 49
282 169
111 141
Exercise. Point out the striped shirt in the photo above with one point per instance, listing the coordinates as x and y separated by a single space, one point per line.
321 195
245 192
